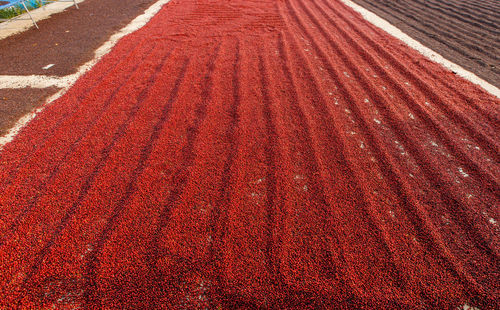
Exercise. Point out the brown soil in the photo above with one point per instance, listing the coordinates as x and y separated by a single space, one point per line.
463 31
15 103
67 39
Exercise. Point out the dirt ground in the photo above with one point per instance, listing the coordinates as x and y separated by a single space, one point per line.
463 31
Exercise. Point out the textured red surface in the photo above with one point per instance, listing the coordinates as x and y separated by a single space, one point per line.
246 154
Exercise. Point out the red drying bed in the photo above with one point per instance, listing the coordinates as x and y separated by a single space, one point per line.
255 154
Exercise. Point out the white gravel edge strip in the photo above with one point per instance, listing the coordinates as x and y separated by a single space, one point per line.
427 52
67 81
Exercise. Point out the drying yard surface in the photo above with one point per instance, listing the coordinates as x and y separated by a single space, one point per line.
67 39
11 109
63 43
255 154
464 31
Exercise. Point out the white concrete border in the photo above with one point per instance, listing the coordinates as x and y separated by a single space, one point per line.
34 81
427 52
67 81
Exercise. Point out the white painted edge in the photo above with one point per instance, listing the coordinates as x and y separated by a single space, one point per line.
427 52
68 81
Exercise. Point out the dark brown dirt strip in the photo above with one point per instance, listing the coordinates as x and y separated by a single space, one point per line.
15 103
465 32
67 39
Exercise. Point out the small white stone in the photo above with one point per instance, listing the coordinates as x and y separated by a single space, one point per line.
462 172
468 307
299 177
